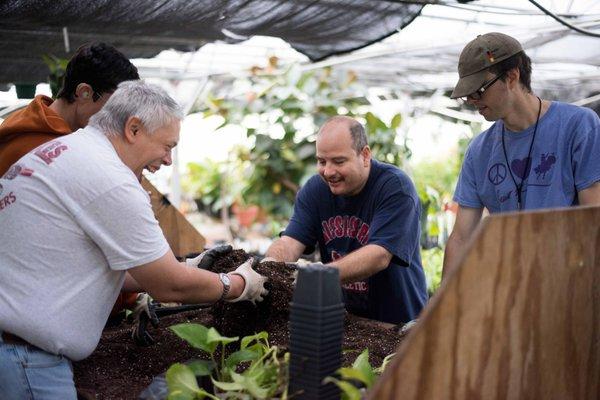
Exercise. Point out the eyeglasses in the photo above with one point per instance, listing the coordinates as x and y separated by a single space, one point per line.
476 95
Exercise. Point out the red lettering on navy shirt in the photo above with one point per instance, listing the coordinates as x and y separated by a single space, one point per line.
335 255
345 227
326 233
356 286
339 226
363 234
352 226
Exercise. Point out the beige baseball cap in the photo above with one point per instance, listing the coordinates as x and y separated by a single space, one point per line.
480 54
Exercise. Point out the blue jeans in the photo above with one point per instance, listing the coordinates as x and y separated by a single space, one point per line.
27 372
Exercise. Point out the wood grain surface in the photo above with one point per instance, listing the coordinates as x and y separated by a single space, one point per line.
180 234
519 319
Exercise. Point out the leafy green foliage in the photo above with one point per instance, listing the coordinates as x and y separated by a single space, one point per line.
435 181
57 67
382 139
183 385
201 337
214 185
264 375
360 375
432 260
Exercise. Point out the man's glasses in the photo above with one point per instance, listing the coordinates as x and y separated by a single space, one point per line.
476 95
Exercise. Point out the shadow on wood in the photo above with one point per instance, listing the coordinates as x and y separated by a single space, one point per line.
519 319
180 234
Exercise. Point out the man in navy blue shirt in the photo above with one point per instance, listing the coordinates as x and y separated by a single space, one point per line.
364 215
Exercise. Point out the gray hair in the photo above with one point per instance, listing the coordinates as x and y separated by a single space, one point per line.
150 103
356 129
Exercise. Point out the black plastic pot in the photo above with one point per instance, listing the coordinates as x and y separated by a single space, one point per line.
316 333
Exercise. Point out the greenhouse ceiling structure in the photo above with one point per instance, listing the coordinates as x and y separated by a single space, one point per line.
395 47
317 29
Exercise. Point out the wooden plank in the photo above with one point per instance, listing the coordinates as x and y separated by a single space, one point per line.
519 319
180 234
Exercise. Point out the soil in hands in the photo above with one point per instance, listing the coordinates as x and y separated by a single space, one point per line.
119 369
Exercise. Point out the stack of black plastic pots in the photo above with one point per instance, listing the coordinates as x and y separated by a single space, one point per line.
316 332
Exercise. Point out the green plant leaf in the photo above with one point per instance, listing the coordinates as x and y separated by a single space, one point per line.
181 382
384 363
349 391
246 340
241 356
213 337
228 386
348 373
250 383
196 335
396 121
362 364
202 367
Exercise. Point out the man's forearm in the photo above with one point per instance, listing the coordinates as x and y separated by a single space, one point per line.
362 263
453 252
590 196
130 284
467 219
280 251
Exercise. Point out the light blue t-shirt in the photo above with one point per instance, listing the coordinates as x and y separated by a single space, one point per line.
565 159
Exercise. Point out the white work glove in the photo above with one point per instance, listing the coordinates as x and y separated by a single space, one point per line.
407 327
143 311
302 263
207 258
254 289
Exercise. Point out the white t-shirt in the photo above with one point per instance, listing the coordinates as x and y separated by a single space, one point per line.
73 218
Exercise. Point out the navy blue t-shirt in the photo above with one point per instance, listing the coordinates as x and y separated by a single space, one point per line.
386 213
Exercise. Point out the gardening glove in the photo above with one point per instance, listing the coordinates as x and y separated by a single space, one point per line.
267 259
254 290
207 258
143 312
406 328
302 263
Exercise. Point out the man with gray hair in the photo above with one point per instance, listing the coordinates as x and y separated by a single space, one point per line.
74 219
365 217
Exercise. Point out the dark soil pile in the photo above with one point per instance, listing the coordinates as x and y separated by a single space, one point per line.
119 369
271 314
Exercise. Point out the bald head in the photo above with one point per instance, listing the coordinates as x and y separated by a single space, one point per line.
352 126
343 156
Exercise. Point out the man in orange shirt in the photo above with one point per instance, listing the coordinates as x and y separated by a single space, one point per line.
91 76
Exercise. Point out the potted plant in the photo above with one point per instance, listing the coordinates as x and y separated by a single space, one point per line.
256 370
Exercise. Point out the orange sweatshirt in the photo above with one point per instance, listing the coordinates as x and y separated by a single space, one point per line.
26 129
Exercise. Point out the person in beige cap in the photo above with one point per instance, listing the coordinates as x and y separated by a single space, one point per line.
537 154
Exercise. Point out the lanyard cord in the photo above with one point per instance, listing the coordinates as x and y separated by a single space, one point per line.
520 186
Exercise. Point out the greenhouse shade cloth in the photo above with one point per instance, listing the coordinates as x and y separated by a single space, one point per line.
141 29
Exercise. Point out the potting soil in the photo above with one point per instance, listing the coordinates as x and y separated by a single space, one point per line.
119 369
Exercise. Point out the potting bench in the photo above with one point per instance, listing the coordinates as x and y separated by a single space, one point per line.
519 319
